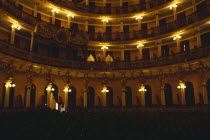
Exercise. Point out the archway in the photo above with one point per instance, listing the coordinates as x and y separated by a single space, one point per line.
109 97
90 97
208 90
148 96
168 95
128 96
72 97
32 95
189 94
11 96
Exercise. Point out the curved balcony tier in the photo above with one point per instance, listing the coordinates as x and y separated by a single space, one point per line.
183 57
118 36
151 4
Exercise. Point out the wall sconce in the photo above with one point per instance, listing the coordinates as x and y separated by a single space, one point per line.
10 85
104 90
104 48
140 45
55 10
177 37
16 27
67 89
70 15
173 6
139 17
105 20
181 85
142 88
50 89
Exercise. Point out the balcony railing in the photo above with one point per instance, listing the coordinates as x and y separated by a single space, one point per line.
194 54
110 10
118 36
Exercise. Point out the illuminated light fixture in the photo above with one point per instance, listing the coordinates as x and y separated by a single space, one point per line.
181 85
177 37
10 85
104 90
70 15
173 6
140 45
104 48
67 90
16 27
142 88
105 20
55 10
50 89
139 17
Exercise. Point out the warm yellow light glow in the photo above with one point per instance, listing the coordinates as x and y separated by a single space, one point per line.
142 88
104 48
104 90
70 15
16 27
67 90
138 17
105 20
177 37
10 85
140 45
50 89
181 85
173 6
55 10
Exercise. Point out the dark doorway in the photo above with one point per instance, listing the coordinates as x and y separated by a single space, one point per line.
127 55
165 50
91 32
148 96
185 46
189 94
72 97
144 30
74 27
126 32
128 96
109 97
205 40
90 97
146 54
108 8
11 96
201 6
168 95
109 32
92 7
125 7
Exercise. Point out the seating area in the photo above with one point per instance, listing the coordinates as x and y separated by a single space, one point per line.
125 124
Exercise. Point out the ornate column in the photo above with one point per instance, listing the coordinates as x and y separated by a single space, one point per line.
104 92
182 87
69 16
12 38
140 47
53 15
177 39
194 6
85 101
28 95
35 8
162 95
50 95
67 91
123 85
32 41
142 91
104 48
198 37
8 85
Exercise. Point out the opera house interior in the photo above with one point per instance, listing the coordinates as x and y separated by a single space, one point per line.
105 69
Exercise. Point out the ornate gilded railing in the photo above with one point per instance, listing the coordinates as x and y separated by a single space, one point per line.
194 54
110 10
118 36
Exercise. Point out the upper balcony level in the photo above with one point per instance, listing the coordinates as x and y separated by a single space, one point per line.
117 7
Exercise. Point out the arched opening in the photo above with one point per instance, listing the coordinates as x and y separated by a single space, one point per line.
168 95
148 96
32 95
208 90
11 96
72 97
109 97
189 94
90 97
128 96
